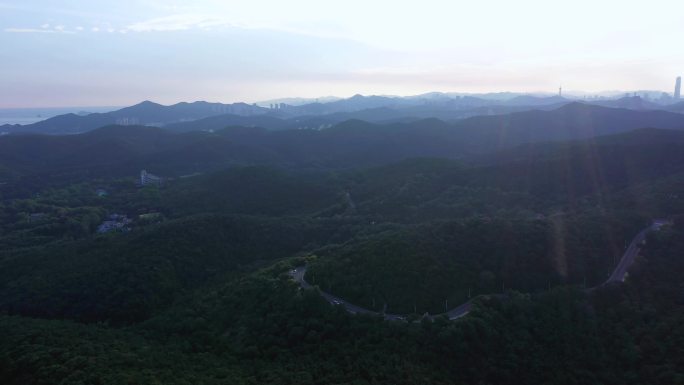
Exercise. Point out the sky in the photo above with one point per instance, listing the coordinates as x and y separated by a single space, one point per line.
115 53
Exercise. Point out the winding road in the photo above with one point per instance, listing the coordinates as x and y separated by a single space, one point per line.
620 272
618 275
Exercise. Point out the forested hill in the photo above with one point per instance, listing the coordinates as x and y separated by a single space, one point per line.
193 286
523 115
145 113
353 143
572 121
591 166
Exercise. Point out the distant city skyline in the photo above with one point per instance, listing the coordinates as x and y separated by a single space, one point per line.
299 100
81 53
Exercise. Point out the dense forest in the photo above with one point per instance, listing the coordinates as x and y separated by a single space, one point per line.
188 281
261 328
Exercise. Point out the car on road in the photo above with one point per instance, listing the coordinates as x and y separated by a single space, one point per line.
336 302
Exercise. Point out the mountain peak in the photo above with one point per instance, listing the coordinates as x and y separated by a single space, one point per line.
147 103
575 105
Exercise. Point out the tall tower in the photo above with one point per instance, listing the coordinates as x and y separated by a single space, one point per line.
560 91
678 87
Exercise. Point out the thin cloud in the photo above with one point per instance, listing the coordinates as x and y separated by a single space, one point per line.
44 28
184 22
211 24
28 30
178 23
57 29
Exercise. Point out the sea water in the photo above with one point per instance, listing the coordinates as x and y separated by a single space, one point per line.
25 116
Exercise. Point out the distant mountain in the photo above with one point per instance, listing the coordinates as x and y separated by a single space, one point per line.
676 107
360 102
218 122
321 116
590 166
145 113
529 100
630 102
124 150
299 101
354 142
569 122
355 103
434 101
373 108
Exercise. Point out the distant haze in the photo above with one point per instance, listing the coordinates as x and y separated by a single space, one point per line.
32 115
83 53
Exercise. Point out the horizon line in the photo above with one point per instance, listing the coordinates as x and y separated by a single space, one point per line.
566 94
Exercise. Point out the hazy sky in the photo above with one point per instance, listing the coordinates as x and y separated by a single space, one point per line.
106 52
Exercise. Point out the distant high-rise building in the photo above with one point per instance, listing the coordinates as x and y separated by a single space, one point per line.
560 91
678 87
